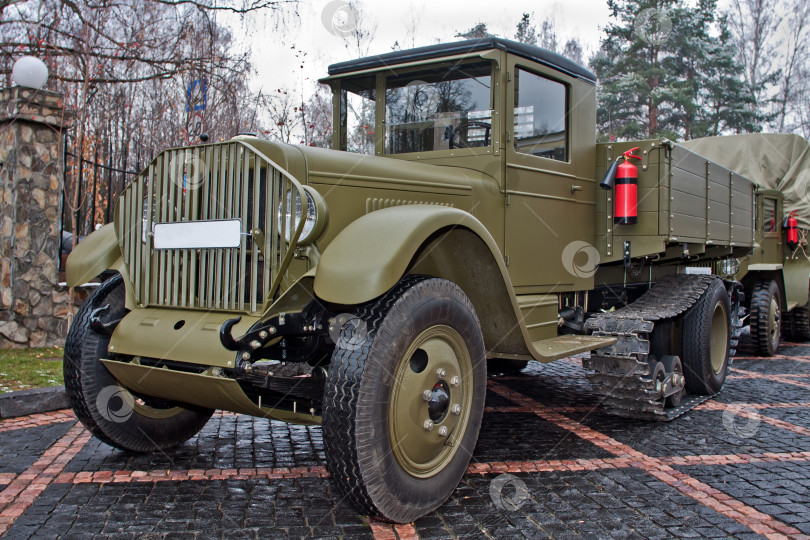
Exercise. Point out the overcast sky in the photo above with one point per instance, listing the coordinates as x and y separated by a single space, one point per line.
394 21
409 22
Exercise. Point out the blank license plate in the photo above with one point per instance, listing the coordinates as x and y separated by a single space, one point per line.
225 233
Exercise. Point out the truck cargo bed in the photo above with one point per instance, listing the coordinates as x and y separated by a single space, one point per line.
683 199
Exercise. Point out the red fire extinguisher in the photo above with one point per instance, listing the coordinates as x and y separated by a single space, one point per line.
791 226
626 193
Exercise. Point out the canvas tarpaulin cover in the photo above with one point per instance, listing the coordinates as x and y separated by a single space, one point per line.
771 160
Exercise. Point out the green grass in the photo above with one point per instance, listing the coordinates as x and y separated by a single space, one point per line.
21 369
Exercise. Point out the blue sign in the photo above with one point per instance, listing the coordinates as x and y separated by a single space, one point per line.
197 95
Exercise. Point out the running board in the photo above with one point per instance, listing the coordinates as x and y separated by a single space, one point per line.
567 345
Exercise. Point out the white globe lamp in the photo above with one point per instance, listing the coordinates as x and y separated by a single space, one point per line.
30 72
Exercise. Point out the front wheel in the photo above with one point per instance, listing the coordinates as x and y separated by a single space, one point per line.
404 399
107 409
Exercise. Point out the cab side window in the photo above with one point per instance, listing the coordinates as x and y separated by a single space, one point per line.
768 215
541 127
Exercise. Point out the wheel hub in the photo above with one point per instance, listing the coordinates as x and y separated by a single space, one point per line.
439 402
431 400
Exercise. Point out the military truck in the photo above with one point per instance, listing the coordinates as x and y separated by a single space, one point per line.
372 292
776 274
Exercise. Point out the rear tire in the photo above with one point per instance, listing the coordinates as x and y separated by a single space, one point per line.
766 317
800 324
706 341
406 377
107 409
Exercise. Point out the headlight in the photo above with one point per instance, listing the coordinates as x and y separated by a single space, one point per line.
314 220
729 267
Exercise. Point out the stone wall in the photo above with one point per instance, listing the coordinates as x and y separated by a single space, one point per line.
33 307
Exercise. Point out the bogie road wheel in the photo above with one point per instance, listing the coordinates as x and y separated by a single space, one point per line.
766 317
108 410
706 341
404 399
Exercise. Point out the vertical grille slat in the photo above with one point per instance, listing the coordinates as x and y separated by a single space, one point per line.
163 205
254 224
244 189
230 180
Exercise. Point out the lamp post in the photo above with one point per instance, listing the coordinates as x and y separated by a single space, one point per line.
30 72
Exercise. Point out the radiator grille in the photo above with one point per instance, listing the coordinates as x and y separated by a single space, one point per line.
230 180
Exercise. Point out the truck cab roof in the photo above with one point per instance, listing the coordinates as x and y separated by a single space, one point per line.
530 52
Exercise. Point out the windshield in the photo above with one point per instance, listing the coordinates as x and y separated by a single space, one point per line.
441 108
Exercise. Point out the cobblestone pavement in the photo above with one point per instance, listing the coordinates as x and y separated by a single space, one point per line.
548 464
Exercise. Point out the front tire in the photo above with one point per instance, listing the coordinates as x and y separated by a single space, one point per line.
404 399
766 317
107 409
706 341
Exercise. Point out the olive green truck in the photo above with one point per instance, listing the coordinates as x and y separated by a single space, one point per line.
457 227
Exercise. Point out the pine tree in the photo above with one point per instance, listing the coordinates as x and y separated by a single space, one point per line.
526 32
476 32
666 70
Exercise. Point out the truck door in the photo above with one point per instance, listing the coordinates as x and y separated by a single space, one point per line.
550 147
769 228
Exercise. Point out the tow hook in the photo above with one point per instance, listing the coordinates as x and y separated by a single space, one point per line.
287 337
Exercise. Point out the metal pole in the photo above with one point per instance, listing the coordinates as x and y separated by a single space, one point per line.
95 178
109 183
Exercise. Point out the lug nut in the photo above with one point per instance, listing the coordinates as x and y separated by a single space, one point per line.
246 356
272 330
263 334
443 431
428 425
426 395
455 380
255 344
456 409
440 373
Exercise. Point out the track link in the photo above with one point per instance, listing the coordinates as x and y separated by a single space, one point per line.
620 370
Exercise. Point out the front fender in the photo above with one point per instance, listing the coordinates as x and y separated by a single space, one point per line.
96 253
370 255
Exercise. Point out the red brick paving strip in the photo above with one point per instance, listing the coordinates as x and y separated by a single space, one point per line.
496 467
34 420
804 359
785 379
389 531
18 496
737 459
703 493
739 410
7 478
799 405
